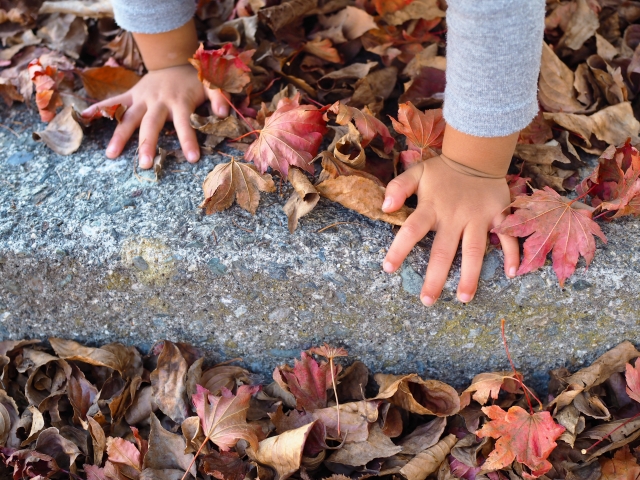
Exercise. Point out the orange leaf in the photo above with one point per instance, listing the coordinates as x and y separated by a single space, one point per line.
223 68
291 136
46 82
623 466
389 6
553 223
527 438
424 131
105 82
368 125
125 456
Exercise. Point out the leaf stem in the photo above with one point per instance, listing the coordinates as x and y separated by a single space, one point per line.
585 450
244 136
335 392
515 372
240 115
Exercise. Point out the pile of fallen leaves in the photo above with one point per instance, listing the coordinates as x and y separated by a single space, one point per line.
301 74
71 411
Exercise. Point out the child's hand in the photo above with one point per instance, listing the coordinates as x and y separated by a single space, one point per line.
456 206
167 94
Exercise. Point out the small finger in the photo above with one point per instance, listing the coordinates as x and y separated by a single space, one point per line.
186 135
219 102
443 251
150 129
474 245
123 99
121 135
511 250
414 229
401 188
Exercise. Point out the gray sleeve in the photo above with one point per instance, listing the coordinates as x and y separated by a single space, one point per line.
155 16
493 62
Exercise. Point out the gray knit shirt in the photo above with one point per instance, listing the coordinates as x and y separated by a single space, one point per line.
493 57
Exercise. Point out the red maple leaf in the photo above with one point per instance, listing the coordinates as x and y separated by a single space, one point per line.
527 438
368 125
517 186
424 132
308 381
46 81
224 418
633 381
291 136
223 68
553 223
625 196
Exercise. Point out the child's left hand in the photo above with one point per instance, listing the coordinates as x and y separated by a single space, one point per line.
455 206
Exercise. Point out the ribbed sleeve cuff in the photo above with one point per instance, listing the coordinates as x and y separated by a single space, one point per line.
493 62
159 16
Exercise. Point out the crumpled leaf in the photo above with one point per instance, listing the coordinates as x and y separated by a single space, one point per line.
113 112
227 376
424 9
582 25
348 24
235 181
224 68
284 452
485 385
29 463
278 16
552 223
225 466
423 437
324 49
556 85
303 200
107 81
349 150
308 381
63 135
378 445
46 81
224 418
429 460
527 438
62 450
355 419
424 397
291 136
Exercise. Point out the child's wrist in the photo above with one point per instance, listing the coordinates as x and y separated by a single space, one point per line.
489 156
169 49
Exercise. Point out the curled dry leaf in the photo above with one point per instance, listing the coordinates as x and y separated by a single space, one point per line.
284 452
105 82
367 124
424 397
46 81
348 24
235 181
428 461
349 150
224 376
166 451
279 16
582 25
423 437
424 9
303 200
113 112
225 465
224 68
355 420
613 125
169 383
355 454
556 91
291 136
63 135
527 438
324 49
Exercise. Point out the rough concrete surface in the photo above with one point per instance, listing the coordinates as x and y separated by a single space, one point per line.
89 252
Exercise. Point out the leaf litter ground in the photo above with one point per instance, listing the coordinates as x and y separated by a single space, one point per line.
72 411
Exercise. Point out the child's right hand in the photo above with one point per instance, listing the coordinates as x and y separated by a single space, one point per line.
166 94
456 206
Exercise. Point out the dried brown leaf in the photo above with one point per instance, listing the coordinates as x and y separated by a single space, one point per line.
63 135
428 461
303 200
424 397
169 383
378 445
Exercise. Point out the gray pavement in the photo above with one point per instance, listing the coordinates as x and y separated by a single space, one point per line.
89 252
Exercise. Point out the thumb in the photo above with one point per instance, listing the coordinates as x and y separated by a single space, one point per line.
219 102
401 188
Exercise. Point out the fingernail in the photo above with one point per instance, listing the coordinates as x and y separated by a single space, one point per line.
386 204
387 267
192 156
428 301
512 272
465 297
145 160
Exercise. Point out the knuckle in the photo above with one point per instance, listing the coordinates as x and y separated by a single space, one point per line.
474 250
440 255
411 231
